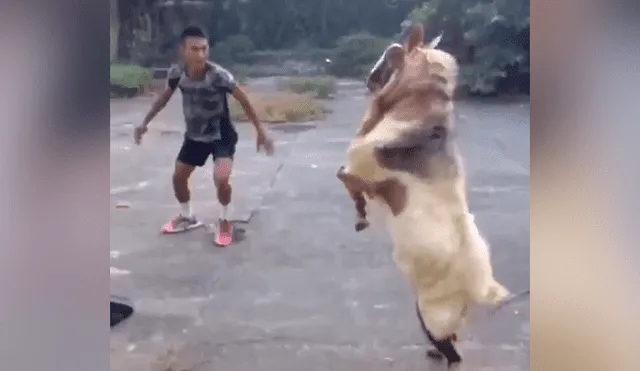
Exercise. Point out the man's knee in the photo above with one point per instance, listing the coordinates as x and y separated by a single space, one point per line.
180 181
180 177
222 173
181 173
221 182
221 178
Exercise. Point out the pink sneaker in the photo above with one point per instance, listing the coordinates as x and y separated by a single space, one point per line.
224 239
181 223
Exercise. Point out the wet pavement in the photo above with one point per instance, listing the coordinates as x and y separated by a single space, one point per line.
301 291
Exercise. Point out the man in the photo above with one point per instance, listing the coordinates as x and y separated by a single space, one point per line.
209 130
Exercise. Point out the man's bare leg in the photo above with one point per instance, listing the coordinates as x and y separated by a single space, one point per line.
221 176
181 175
185 220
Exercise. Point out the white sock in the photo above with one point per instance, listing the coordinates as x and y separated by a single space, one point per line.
185 209
224 212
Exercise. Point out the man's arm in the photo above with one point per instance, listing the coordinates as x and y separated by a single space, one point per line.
162 100
242 98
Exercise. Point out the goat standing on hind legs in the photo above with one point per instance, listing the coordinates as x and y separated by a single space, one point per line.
404 158
384 81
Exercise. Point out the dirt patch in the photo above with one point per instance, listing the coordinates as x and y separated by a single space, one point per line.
320 87
280 107
293 128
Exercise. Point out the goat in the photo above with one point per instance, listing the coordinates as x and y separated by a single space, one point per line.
404 159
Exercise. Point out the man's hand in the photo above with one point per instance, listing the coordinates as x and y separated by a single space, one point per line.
263 140
157 106
138 132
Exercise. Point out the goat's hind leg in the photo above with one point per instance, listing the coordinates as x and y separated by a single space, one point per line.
443 348
431 353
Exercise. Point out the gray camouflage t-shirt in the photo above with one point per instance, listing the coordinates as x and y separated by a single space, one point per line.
204 102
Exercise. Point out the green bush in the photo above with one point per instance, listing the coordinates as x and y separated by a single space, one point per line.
484 76
240 44
356 54
234 48
128 80
221 53
497 31
321 87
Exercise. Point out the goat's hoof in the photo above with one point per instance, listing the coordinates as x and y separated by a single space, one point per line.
362 225
435 355
341 172
455 366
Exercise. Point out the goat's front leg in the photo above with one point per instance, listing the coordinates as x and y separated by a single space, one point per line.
361 210
355 187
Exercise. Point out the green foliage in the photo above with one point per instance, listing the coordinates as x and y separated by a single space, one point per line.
356 54
492 61
128 80
240 44
233 49
321 87
492 27
221 53
244 27
425 13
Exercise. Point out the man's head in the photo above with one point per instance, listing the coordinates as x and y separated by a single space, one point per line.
194 46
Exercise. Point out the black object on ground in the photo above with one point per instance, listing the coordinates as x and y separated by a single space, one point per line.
121 309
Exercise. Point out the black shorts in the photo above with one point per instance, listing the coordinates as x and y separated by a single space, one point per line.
196 153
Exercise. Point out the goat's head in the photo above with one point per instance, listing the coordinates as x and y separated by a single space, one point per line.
411 142
417 111
394 56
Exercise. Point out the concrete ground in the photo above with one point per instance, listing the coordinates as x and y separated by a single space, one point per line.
302 291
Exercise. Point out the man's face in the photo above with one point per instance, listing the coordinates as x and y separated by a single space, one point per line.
195 51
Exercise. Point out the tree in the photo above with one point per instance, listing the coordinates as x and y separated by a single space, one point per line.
488 28
483 34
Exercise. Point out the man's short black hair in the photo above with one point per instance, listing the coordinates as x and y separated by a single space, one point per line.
192 31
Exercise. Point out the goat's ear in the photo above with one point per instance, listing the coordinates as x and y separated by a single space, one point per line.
435 42
416 37
395 55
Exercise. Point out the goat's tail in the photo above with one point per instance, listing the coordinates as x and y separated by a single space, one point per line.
496 294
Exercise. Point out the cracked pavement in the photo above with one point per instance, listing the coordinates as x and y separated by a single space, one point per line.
302 290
